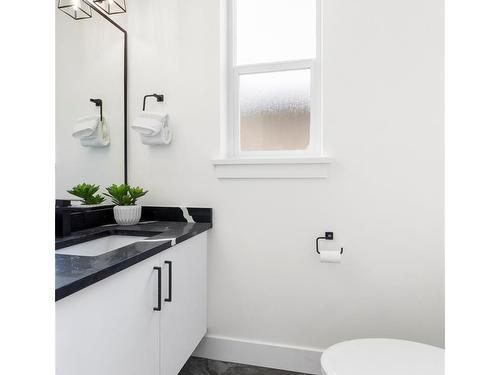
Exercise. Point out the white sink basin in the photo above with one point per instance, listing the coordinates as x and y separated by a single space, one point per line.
100 246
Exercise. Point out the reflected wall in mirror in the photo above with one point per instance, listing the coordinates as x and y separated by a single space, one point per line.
90 63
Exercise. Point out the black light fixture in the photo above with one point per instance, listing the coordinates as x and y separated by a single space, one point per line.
112 6
76 9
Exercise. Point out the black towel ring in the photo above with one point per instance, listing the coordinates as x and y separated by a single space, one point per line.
159 98
98 103
328 236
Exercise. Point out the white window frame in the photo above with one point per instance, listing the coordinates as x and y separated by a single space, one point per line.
315 148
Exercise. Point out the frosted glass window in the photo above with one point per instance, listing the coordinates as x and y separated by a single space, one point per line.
275 78
275 110
275 30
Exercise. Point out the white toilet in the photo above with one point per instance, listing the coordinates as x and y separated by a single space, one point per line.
382 357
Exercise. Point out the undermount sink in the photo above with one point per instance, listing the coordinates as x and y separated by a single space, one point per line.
100 246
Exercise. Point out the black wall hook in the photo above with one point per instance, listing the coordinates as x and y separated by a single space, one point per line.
329 237
98 103
159 98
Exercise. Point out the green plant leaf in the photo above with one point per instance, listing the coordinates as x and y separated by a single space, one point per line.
124 195
86 193
136 193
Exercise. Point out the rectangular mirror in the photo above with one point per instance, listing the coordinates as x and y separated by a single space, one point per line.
90 64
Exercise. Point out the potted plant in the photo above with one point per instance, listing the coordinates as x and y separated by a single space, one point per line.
87 194
126 211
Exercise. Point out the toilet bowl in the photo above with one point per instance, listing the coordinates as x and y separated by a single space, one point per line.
382 357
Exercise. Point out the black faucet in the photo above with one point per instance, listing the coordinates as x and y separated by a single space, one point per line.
63 218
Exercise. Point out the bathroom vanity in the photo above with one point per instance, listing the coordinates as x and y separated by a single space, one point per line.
130 300
139 308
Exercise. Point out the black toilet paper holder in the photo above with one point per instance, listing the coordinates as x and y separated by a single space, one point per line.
329 237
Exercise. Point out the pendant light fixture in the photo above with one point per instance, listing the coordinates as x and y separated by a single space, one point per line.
76 9
112 6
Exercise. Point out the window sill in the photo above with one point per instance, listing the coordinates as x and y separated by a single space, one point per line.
283 168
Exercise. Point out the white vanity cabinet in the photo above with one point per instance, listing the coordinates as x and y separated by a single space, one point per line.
110 327
183 321
115 326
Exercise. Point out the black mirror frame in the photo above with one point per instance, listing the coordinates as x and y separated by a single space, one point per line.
125 87
98 10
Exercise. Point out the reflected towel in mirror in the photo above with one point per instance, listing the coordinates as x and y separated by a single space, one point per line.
100 138
85 126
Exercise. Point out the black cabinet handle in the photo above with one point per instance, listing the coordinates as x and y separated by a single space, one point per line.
158 308
169 263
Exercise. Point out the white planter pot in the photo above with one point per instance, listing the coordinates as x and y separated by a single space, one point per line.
127 215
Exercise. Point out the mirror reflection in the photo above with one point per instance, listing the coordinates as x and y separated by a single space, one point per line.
89 83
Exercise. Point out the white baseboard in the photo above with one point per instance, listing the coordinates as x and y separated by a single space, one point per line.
290 358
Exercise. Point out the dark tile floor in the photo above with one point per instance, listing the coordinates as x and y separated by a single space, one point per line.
202 366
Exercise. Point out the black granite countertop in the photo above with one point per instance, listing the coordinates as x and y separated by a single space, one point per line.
74 273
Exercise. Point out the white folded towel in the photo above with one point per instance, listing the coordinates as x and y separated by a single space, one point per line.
163 137
85 126
149 123
100 138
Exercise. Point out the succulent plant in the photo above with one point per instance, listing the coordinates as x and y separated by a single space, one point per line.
124 195
87 194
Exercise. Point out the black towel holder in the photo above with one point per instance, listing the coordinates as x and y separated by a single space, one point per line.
98 103
328 236
159 98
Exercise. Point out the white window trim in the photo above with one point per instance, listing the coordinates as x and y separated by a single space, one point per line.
233 124
280 168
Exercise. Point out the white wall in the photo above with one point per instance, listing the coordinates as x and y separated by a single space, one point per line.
383 121
89 64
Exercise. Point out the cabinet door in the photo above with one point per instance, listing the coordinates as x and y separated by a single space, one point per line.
110 328
184 316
